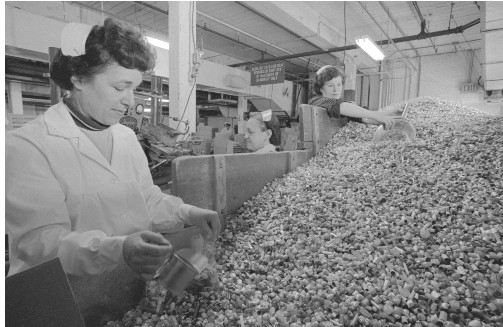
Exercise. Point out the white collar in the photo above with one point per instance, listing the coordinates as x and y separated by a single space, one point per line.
266 149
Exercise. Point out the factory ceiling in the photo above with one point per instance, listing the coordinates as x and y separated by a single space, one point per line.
239 33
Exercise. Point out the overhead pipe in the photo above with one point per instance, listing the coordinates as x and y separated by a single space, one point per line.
247 34
204 27
284 28
419 36
382 29
165 12
81 4
423 23
398 27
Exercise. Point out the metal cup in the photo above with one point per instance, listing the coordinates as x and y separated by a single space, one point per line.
181 269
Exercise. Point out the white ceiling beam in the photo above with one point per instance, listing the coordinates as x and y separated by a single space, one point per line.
303 20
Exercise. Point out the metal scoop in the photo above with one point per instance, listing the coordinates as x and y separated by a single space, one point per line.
176 273
401 125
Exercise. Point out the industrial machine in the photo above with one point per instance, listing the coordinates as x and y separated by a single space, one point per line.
160 142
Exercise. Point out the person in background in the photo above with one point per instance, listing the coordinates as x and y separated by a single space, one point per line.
328 88
263 133
227 130
78 186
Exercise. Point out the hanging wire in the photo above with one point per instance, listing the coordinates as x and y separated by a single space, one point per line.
270 100
102 17
361 25
471 65
203 34
463 35
155 27
192 8
344 58
450 16
195 78
190 36
135 16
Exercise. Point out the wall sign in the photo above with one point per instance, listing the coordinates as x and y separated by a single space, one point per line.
270 73
470 87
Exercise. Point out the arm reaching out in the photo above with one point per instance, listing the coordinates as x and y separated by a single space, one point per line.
369 116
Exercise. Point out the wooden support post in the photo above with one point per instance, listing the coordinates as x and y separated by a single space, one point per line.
15 98
55 90
295 159
317 128
305 123
242 108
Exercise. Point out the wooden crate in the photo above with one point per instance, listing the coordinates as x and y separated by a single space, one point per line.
224 182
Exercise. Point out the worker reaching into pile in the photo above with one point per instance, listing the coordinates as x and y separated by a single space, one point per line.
328 88
78 186
263 134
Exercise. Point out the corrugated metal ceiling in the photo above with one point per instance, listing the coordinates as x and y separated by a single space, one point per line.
240 33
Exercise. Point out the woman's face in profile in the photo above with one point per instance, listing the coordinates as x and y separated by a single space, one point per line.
255 138
332 88
107 96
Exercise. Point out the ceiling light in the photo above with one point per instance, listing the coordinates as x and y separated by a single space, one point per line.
369 46
158 43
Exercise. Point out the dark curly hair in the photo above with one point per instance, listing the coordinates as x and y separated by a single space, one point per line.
114 42
327 74
272 125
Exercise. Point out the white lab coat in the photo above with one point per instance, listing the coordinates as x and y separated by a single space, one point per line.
229 132
266 149
64 199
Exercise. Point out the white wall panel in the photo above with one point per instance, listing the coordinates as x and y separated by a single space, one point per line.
29 31
443 75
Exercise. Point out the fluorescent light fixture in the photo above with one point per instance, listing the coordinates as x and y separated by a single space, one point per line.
158 43
369 46
165 100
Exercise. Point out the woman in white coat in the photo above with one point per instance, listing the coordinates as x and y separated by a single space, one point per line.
78 186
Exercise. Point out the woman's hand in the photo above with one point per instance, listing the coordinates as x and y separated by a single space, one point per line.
207 220
385 119
145 251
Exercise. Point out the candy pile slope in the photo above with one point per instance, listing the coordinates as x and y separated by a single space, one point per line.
397 233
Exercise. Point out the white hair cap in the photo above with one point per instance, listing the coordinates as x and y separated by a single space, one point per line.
73 39
322 69
267 115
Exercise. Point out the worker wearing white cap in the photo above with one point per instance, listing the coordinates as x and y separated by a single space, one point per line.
262 134
228 130
78 186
